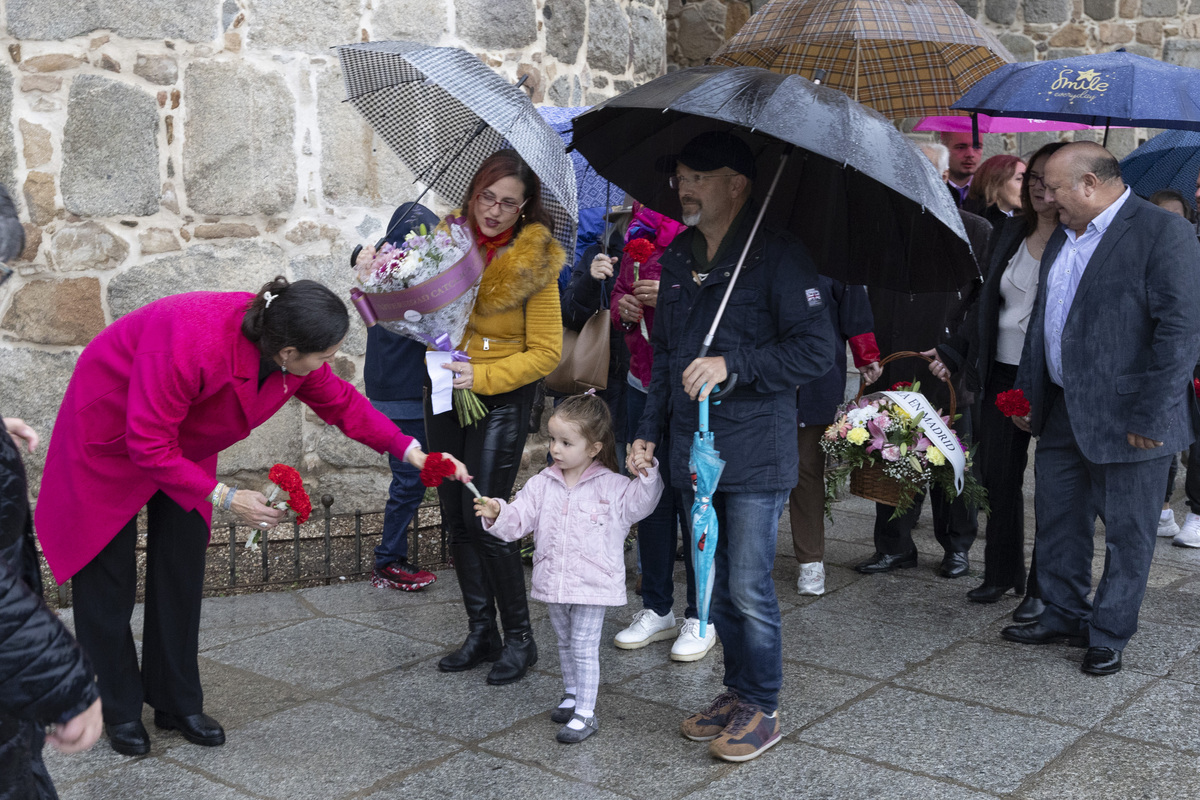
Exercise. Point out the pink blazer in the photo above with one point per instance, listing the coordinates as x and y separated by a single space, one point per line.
152 402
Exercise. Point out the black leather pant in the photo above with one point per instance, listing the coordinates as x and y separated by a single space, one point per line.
489 570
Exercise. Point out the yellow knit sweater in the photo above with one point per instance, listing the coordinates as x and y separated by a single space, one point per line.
515 333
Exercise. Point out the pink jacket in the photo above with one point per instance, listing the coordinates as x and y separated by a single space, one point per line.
579 533
152 402
641 354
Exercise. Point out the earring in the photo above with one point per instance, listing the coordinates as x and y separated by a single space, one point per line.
283 368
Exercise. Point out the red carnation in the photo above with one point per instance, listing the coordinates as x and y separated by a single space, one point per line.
289 480
639 250
902 386
437 468
1196 386
1013 403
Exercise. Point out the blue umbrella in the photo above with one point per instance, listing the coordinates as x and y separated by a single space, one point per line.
706 466
1116 88
1169 160
592 190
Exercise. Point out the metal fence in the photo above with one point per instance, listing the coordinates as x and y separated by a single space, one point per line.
327 548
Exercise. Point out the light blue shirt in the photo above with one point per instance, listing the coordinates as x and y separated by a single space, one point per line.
1063 281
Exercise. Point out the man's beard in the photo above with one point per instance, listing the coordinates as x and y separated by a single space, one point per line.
691 220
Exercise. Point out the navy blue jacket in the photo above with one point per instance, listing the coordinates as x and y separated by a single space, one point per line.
850 314
775 335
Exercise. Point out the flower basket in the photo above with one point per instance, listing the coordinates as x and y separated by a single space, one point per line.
889 446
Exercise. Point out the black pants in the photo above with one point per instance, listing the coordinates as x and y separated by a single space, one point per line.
955 524
491 450
1002 457
105 592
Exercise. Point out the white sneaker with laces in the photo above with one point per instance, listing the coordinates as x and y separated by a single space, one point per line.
1167 526
1189 535
812 579
689 646
647 627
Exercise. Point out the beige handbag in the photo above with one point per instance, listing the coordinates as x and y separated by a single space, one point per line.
585 355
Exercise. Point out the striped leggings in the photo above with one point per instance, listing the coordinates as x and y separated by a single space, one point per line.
578 628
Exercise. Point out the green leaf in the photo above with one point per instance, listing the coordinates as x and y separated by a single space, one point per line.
903 448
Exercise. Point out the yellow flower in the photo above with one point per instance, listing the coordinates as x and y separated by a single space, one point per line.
857 435
935 456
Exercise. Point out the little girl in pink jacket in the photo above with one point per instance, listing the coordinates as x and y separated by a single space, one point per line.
579 509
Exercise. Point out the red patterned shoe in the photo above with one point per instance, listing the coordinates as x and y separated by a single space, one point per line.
396 576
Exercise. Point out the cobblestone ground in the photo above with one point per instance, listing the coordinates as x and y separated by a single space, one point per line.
894 687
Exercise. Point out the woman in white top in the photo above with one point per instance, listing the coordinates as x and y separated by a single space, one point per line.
992 344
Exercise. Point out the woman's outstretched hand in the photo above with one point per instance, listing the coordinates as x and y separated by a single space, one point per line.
251 508
416 456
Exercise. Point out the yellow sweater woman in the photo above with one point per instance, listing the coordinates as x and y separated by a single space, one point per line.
514 339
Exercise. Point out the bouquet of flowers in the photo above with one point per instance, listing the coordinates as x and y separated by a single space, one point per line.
1013 403
288 479
877 431
425 289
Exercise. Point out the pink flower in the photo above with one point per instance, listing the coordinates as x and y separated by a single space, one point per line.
922 445
891 452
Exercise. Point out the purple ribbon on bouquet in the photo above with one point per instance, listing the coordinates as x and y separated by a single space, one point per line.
442 342
424 298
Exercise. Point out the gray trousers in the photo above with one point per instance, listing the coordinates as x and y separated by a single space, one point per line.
578 629
1071 492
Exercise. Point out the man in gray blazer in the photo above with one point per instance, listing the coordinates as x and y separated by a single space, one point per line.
1107 368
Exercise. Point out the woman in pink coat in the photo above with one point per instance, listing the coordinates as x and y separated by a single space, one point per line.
152 402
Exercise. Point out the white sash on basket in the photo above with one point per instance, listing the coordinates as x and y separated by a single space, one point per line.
935 430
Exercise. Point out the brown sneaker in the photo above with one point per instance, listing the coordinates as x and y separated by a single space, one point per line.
750 731
708 724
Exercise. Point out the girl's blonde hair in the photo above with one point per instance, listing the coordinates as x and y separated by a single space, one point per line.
591 415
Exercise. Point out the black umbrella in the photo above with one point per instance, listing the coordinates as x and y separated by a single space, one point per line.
868 205
443 111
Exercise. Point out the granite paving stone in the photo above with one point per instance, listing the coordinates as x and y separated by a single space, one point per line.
1109 767
217 636
236 696
479 776
798 770
937 605
460 705
631 732
443 624
971 744
872 647
1167 713
150 778
317 750
361 596
321 653
222 612
1024 680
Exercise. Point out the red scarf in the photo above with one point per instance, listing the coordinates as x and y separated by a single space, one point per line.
490 244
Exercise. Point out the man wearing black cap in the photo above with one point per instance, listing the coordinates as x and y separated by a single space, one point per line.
774 335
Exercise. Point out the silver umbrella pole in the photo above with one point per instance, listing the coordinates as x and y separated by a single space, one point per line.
731 381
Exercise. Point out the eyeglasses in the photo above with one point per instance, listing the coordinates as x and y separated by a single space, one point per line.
490 201
1035 179
676 181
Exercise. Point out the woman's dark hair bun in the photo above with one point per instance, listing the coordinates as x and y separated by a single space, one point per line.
306 315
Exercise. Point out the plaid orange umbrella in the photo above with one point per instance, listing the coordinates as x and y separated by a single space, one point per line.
903 58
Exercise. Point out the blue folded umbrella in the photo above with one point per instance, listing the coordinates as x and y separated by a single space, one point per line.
592 190
706 467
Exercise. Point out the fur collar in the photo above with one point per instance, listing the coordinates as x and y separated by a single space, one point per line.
516 273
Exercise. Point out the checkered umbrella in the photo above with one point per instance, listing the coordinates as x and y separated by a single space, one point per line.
903 58
428 102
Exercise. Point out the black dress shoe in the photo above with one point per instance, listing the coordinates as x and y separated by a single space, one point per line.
128 738
954 565
1030 610
1101 661
198 729
886 562
1037 633
987 593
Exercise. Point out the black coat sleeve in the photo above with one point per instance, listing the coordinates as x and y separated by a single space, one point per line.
583 295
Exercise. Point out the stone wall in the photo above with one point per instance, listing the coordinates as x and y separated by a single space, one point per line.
1034 30
159 147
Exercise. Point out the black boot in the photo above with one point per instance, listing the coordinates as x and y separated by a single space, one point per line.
483 642
507 575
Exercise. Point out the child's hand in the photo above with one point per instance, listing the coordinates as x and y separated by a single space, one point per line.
487 507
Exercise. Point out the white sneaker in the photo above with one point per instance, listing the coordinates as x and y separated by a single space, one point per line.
647 627
1167 526
689 646
812 579
1189 535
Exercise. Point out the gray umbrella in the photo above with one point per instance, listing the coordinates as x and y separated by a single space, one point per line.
443 112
